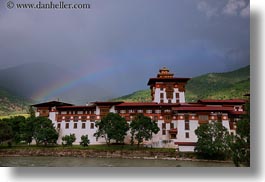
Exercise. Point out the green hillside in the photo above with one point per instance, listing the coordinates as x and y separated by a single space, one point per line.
10 104
226 85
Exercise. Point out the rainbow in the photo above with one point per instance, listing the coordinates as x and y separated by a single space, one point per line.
56 88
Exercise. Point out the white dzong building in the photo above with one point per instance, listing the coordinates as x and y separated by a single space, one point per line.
176 119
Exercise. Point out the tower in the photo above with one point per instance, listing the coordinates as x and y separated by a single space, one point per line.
166 88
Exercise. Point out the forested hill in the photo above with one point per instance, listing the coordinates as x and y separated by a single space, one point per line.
226 85
11 104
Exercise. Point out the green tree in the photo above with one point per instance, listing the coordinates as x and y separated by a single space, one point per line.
31 112
69 139
213 141
112 127
27 130
15 123
6 132
142 127
84 141
240 144
44 131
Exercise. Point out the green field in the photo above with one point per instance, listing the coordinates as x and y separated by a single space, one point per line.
13 115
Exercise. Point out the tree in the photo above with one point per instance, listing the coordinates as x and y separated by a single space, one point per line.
44 131
69 139
6 132
31 112
213 141
27 130
15 123
142 127
240 144
84 141
112 127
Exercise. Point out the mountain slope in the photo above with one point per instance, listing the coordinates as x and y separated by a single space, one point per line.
226 85
11 104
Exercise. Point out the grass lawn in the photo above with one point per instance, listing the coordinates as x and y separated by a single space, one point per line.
13 115
90 147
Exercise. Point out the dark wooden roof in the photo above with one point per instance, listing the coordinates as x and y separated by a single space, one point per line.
52 104
76 107
154 80
203 108
229 101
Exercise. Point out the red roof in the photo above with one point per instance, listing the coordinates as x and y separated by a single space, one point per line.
75 107
203 108
237 112
229 101
137 104
107 103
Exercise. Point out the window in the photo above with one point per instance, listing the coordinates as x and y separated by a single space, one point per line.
83 125
187 125
171 125
92 118
173 136
92 125
149 111
75 125
168 118
163 132
219 117
187 122
83 118
177 96
161 88
59 125
161 100
169 101
187 135
163 125
66 125
161 95
75 118
67 119
158 111
203 117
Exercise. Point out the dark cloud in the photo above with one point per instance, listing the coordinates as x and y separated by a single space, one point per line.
128 41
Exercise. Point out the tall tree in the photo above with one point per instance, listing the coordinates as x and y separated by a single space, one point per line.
142 127
112 127
15 123
6 132
240 145
27 130
44 131
213 141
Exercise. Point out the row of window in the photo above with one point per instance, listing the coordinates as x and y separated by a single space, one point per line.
148 111
77 112
92 125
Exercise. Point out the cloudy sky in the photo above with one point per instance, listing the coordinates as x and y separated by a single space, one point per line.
127 41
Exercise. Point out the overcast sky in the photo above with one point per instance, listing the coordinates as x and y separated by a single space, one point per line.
129 40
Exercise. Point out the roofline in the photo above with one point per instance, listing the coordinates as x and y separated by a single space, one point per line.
151 80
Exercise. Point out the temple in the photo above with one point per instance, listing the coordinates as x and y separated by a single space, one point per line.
176 119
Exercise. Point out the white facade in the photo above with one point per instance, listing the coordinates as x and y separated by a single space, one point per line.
159 92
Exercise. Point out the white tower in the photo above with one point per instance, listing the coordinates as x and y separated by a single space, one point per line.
165 88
